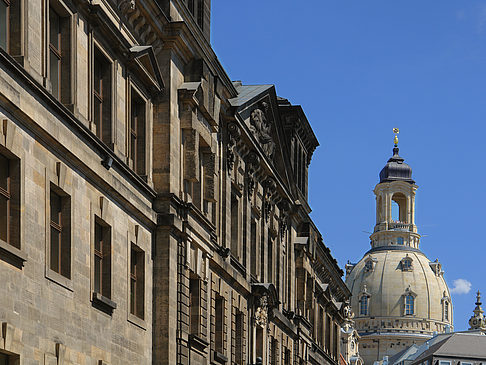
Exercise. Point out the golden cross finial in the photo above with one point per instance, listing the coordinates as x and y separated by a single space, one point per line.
396 131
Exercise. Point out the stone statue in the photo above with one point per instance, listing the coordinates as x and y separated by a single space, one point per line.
262 128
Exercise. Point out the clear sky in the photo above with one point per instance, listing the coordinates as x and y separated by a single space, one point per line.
360 68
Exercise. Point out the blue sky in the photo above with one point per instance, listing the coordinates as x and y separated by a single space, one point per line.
360 68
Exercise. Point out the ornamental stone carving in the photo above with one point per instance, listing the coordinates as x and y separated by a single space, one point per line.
253 163
261 127
234 134
261 313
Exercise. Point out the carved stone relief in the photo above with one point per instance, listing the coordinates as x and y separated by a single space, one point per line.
253 163
261 313
261 127
234 134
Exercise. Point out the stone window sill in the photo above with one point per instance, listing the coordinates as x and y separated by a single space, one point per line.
219 358
103 303
59 279
12 255
137 321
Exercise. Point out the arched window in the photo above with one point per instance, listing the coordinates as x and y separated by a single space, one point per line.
399 208
363 305
446 310
409 304
369 265
407 265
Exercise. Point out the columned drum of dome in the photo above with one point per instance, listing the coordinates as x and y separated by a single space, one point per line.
399 295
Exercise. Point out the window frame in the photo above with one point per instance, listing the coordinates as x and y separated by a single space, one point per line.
409 307
104 255
366 306
98 127
7 24
139 278
64 228
134 92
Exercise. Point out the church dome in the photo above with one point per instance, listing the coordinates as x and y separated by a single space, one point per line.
398 289
399 296
396 170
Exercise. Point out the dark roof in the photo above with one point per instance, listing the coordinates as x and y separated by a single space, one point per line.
466 345
396 170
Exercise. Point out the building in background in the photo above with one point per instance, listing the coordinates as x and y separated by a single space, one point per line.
465 347
151 210
399 296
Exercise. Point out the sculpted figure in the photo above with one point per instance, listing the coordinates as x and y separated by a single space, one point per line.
261 128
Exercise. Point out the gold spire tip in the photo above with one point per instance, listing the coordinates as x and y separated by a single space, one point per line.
396 131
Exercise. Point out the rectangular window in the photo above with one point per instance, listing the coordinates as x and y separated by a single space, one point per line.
137 281
60 230
328 333
9 359
10 29
200 13
444 362
4 24
273 351
219 324
60 52
10 201
239 340
270 259
235 231
194 305
320 326
102 258
253 248
102 96
136 148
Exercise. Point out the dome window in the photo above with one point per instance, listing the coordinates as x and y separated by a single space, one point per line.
406 264
409 302
364 302
370 264
400 240
363 305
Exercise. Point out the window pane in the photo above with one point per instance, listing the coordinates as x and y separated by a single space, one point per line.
132 295
3 359
98 237
97 274
55 208
3 218
4 171
54 65
54 27
55 239
3 25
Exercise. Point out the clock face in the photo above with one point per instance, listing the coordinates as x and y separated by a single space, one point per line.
475 321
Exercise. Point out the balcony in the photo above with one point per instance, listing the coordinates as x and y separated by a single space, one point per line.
394 226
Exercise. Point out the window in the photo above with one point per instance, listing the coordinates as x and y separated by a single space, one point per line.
102 96
409 304
194 305
239 340
60 228
328 333
407 265
369 265
4 24
273 351
137 281
235 231
363 305
136 147
59 53
253 248
219 324
10 200
442 362
9 359
446 310
102 259
10 26
200 13
400 240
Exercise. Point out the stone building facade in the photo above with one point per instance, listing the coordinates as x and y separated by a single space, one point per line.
399 296
151 210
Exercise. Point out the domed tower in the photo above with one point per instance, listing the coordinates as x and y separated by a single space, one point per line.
399 296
